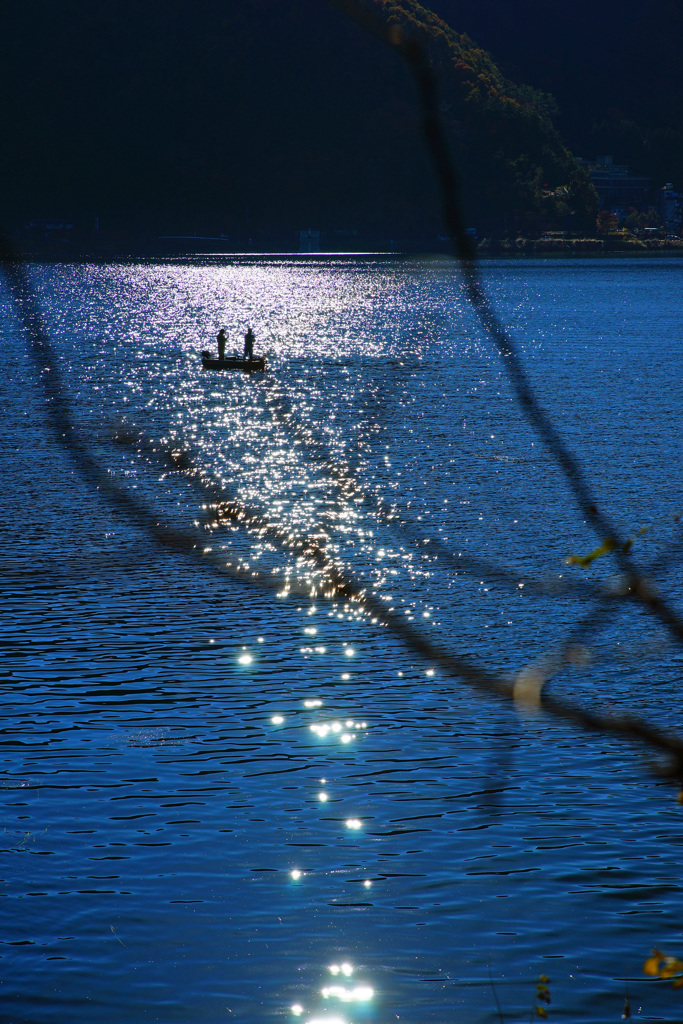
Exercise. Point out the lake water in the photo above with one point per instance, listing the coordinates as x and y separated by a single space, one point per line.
228 797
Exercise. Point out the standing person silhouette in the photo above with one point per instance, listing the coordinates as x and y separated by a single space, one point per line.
220 338
249 344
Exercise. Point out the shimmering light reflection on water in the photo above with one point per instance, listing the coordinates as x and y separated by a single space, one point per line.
205 786
359 993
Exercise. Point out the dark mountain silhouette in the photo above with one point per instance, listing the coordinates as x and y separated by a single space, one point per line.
613 66
261 117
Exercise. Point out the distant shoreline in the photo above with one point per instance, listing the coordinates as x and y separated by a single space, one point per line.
486 248
579 247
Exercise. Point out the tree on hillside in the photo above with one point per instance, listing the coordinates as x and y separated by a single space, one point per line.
606 221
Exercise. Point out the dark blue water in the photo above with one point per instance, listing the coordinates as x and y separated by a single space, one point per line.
227 797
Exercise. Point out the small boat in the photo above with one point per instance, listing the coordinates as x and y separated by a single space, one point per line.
256 364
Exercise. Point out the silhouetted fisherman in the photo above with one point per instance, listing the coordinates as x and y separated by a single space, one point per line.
220 338
249 344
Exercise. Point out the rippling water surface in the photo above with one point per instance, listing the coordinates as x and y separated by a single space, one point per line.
231 797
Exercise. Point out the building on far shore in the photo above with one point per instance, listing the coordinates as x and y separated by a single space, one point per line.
309 241
618 190
51 230
670 208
